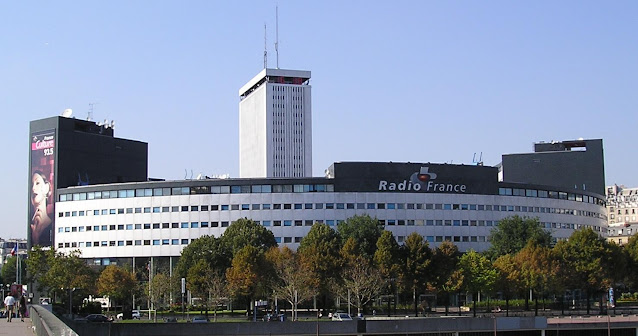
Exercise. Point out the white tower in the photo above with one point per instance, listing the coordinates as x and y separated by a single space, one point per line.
275 125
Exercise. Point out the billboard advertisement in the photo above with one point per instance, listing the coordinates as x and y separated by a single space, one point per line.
41 188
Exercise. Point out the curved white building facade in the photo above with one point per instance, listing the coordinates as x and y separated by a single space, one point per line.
440 202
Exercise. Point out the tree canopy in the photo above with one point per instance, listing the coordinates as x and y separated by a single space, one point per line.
513 233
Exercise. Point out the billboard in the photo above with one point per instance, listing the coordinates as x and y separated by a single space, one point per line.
41 188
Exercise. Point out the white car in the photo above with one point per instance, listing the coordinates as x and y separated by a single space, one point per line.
135 314
341 317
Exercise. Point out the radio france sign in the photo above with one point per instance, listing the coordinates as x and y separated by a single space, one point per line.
423 181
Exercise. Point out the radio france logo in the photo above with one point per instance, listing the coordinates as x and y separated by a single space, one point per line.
423 180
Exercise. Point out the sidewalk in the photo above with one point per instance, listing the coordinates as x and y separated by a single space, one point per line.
16 327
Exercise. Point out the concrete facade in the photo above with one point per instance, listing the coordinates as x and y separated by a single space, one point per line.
275 125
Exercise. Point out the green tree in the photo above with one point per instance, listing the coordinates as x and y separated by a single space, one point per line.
364 230
206 248
444 262
244 232
478 274
39 262
291 281
387 259
116 283
8 271
160 290
512 234
319 255
586 262
66 272
416 271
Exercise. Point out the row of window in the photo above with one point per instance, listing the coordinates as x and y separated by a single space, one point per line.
279 240
338 206
246 189
308 222
550 194
291 188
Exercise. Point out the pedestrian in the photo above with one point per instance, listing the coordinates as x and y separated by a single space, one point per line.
9 302
22 308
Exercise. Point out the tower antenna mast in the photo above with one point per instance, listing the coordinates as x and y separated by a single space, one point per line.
265 48
277 34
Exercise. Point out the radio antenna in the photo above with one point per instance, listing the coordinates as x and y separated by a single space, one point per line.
265 48
89 116
277 34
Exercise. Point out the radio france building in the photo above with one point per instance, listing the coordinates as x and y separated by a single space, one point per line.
458 203
124 217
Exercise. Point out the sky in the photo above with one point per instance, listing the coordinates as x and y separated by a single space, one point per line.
417 81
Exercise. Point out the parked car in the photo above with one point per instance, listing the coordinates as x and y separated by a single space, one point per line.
200 319
98 318
341 317
135 315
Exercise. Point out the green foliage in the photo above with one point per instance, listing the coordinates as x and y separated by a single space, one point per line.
444 262
387 256
478 273
8 271
244 232
513 233
586 261
319 254
364 230
58 272
206 248
416 271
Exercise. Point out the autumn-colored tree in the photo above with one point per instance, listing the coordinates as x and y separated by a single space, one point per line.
416 270
116 283
537 269
508 281
319 255
291 281
247 273
478 274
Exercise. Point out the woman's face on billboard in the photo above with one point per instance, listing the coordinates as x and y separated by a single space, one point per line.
39 189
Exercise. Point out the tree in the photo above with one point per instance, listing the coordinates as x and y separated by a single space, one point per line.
206 248
512 234
364 230
291 280
247 273
360 282
416 269
444 262
38 263
478 274
537 269
64 273
244 232
8 272
160 289
319 255
586 262
116 283
508 281
387 259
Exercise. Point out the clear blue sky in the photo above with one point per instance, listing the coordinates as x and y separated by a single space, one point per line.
418 81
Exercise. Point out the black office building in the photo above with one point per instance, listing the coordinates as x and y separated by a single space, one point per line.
576 164
67 152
